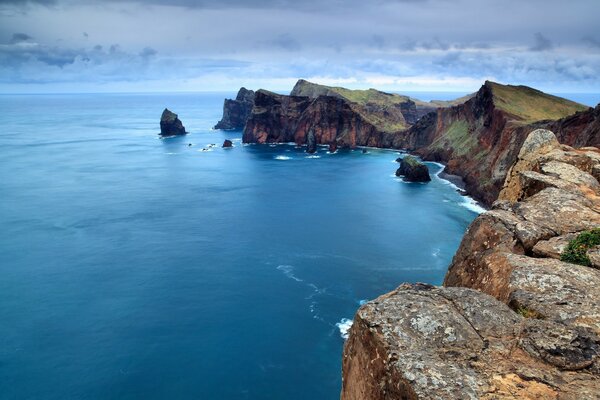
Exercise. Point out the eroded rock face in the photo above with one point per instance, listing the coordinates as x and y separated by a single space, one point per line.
423 342
325 120
412 170
236 112
513 321
170 125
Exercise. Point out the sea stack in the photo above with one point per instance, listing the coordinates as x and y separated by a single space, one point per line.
227 143
170 124
236 112
413 170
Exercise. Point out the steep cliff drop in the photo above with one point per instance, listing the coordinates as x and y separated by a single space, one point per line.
512 321
480 139
236 112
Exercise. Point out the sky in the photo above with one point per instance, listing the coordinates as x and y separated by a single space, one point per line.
221 45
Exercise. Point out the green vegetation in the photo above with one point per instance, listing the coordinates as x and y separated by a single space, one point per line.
575 252
528 312
457 137
528 105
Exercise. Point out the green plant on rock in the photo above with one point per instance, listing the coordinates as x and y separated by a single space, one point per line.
575 252
528 312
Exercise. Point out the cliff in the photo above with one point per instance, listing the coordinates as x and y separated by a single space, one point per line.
512 321
479 140
236 112
279 118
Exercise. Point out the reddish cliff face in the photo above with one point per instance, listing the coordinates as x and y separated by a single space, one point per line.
326 119
578 130
480 139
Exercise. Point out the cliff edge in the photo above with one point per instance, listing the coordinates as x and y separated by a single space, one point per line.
512 321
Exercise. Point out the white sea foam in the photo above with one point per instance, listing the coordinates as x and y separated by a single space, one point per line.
313 157
283 158
467 201
344 326
472 205
435 252
363 301
288 270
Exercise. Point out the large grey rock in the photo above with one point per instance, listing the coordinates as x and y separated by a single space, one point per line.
423 342
412 170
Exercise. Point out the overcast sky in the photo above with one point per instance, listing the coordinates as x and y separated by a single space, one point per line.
215 45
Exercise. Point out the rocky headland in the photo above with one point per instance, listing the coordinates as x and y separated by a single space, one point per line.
236 111
512 320
170 124
478 136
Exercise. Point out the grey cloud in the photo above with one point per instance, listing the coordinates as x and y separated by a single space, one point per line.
20 37
592 42
287 42
542 43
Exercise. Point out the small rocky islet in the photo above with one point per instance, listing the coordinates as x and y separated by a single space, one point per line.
513 319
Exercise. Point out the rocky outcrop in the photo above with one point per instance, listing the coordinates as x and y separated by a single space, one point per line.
423 342
480 139
412 170
170 125
236 112
279 118
513 321
227 143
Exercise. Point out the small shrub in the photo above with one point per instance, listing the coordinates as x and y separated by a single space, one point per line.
575 252
528 313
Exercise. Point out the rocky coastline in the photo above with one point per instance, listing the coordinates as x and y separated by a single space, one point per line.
511 321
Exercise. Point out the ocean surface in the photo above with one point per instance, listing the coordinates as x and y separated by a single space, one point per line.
134 267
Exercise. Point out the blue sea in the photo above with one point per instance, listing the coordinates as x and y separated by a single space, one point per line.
134 267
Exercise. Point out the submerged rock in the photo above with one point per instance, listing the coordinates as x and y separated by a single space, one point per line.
227 143
413 170
170 125
332 147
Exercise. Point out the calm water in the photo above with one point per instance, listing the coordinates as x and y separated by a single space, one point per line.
138 268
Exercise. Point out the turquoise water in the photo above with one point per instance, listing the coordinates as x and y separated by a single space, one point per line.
138 268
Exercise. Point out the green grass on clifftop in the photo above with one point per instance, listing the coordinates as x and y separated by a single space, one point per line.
529 105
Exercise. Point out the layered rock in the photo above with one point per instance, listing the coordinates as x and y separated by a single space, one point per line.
170 124
236 112
513 321
279 118
480 139
412 170
578 130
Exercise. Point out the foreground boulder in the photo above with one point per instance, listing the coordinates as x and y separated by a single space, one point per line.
412 170
170 125
236 112
424 342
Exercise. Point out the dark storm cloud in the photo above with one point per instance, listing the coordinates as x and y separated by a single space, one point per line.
542 43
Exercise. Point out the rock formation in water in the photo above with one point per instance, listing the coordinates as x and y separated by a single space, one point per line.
236 112
513 321
170 125
412 170
227 143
